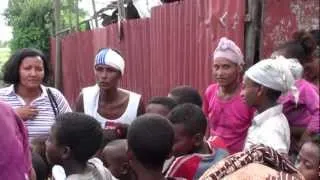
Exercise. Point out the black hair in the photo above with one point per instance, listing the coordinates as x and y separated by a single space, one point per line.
272 94
40 166
191 116
150 138
80 132
11 67
316 35
165 101
186 94
300 47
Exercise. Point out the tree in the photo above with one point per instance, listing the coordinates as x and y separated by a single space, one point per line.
32 22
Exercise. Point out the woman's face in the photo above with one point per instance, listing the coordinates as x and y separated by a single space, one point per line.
225 72
106 76
31 72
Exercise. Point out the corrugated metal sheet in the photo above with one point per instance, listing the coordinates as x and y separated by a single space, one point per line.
171 48
183 36
282 18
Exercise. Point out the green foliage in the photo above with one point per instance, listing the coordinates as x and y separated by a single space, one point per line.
4 56
32 22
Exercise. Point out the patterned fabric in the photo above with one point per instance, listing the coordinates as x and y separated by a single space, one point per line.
256 154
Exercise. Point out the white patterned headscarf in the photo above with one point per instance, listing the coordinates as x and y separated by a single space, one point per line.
229 50
273 74
107 56
293 64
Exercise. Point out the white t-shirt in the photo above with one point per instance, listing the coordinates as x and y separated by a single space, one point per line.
90 106
270 128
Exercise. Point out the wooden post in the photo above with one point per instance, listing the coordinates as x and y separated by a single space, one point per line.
95 13
77 15
252 35
58 63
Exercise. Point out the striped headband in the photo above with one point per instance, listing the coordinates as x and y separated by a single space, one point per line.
110 57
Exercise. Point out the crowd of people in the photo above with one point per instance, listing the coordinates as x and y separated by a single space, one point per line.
259 123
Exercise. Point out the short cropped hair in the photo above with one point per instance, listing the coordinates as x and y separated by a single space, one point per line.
80 132
150 138
191 116
165 101
186 94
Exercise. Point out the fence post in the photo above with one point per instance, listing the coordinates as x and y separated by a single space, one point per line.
252 35
58 63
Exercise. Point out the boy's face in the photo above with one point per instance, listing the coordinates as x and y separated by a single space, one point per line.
183 142
308 161
157 109
249 92
54 152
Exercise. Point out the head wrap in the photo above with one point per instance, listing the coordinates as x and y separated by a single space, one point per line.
110 57
274 75
229 50
294 66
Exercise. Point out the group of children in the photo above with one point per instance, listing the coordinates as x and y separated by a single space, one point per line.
168 142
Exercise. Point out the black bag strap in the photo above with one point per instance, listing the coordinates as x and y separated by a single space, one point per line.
53 102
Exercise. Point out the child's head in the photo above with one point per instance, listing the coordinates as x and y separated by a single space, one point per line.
300 47
186 94
114 157
160 105
308 161
189 124
75 137
150 140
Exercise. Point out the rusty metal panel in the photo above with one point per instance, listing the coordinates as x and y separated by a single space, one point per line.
171 48
282 18
183 37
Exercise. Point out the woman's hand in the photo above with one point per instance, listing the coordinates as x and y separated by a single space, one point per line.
27 112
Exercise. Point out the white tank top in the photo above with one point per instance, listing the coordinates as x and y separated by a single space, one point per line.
90 106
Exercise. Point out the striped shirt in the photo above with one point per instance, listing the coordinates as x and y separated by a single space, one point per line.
42 123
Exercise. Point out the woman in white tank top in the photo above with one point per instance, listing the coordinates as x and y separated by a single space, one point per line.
104 101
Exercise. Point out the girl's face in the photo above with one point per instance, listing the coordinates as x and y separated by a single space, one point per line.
308 161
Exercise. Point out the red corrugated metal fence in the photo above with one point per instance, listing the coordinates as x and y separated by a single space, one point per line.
282 18
171 48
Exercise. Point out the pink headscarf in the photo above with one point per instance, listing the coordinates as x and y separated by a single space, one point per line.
229 50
